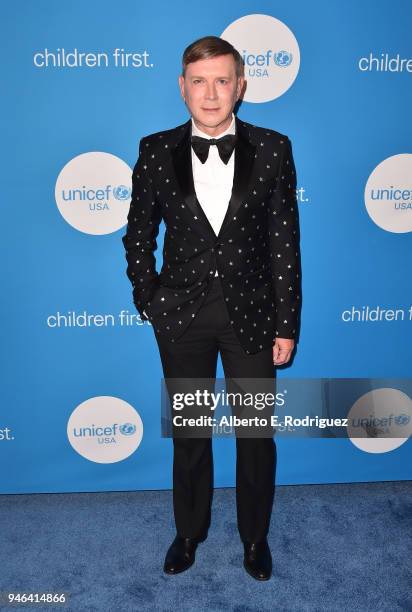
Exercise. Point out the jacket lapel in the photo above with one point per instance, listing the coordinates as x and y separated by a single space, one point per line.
244 162
243 166
182 161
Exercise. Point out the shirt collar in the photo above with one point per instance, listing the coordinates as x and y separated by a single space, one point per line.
230 130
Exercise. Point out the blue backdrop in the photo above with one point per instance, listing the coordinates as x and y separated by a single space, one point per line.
344 113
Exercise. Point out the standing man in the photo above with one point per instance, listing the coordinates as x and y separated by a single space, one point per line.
230 280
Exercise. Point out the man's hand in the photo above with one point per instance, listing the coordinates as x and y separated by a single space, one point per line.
282 350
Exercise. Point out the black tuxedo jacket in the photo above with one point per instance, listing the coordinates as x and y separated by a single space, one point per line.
256 252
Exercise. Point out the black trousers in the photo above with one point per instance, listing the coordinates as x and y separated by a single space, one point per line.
195 355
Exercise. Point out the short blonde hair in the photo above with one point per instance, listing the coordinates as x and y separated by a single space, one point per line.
211 46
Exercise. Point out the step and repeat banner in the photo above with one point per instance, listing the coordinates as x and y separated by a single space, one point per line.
83 82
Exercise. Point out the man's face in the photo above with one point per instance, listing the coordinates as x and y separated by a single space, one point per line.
210 89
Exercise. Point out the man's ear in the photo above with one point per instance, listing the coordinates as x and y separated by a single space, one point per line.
240 84
182 86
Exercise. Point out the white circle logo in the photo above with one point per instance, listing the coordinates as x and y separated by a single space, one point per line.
383 418
105 429
388 194
270 52
93 192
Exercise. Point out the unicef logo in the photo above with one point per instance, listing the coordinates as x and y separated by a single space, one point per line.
105 429
91 192
270 52
388 194
121 192
283 59
375 430
127 429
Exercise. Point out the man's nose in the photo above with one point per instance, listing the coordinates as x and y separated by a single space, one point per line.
211 92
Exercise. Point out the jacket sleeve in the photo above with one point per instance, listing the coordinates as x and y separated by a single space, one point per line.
139 241
283 224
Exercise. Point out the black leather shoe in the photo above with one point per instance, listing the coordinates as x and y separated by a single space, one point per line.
180 556
258 560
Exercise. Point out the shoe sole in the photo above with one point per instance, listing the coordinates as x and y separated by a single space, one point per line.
256 577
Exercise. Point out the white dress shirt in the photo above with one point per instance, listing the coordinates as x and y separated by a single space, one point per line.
213 180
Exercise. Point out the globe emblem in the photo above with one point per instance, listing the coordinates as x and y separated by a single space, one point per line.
121 192
283 58
127 429
402 419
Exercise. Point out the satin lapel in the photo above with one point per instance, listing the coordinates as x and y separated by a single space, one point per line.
244 162
182 161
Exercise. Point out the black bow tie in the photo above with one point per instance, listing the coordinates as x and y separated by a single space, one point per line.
225 146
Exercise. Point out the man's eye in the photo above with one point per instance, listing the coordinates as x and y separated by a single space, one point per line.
223 80
196 81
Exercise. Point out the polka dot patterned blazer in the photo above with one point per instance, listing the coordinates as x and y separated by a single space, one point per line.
256 252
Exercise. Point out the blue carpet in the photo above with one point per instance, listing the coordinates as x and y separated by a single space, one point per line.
336 547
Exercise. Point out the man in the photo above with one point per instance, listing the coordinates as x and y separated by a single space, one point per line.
229 283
